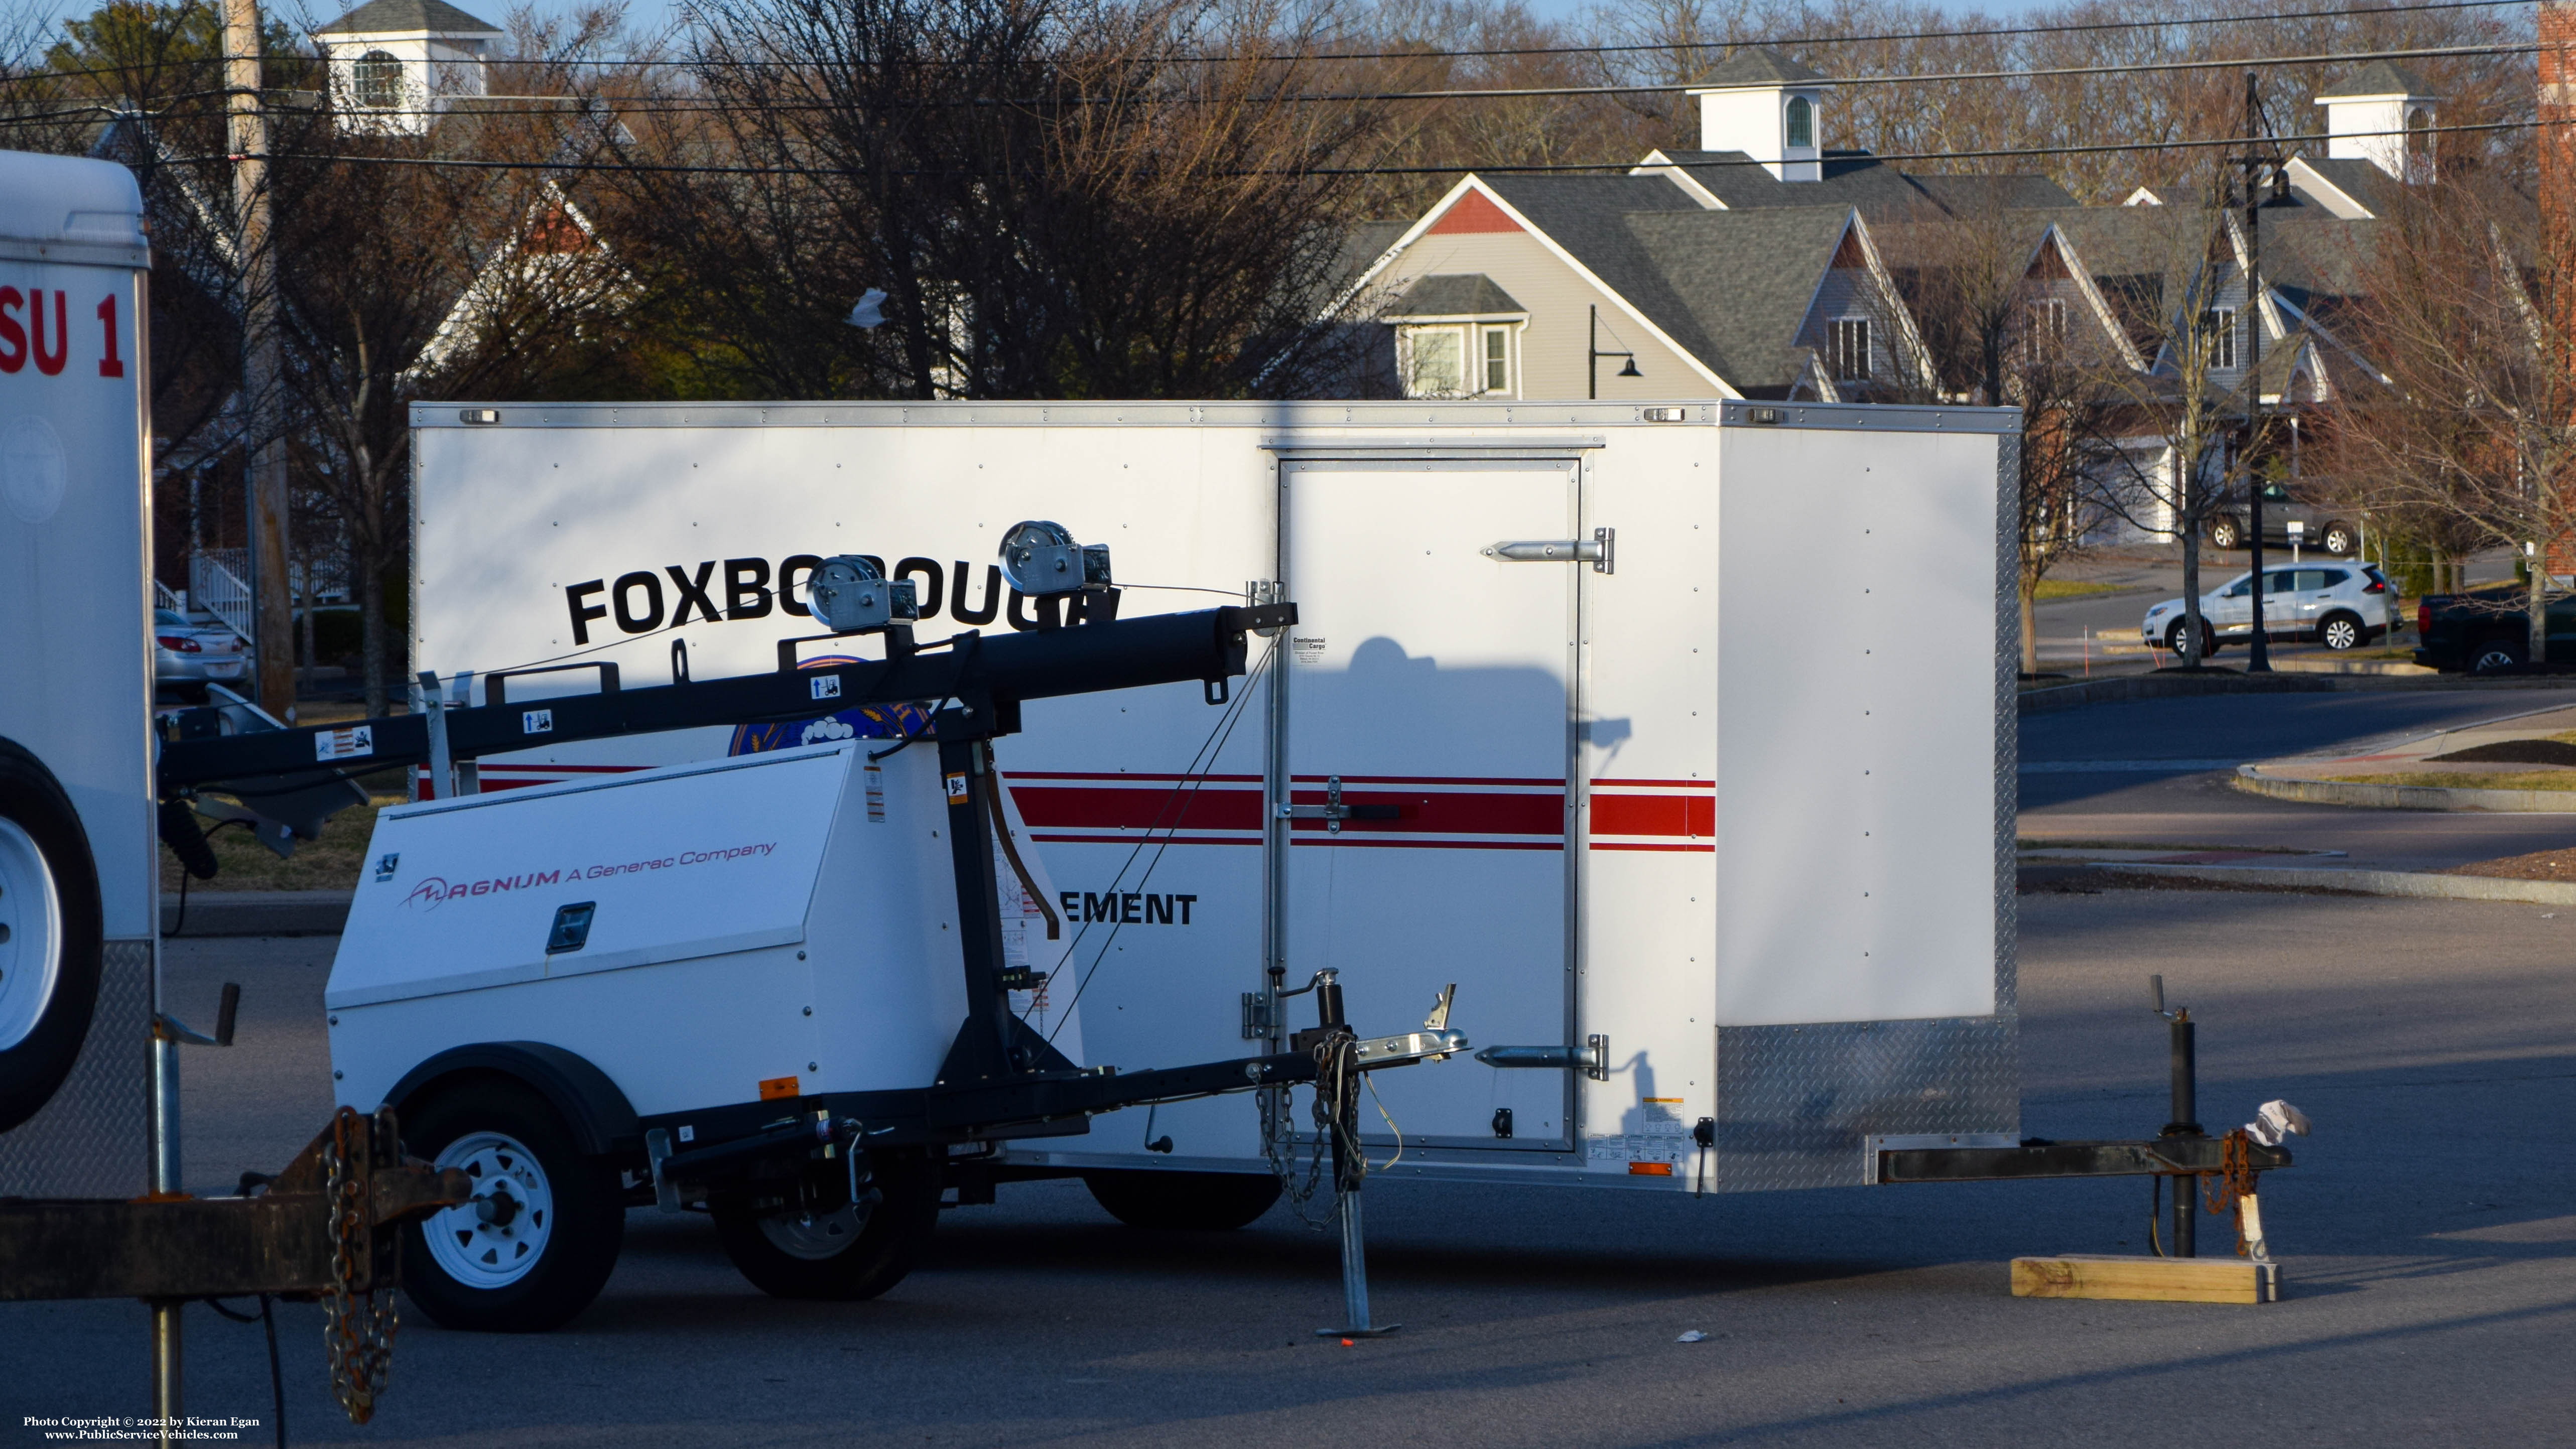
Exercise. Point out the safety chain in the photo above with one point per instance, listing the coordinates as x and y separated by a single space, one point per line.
2234 1181
1274 1121
357 1328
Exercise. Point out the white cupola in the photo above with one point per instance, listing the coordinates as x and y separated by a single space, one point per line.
1768 108
2382 116
395 63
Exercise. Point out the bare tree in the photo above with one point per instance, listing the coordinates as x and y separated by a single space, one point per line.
2159 447
2469 310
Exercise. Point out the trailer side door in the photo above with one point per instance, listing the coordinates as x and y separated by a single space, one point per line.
1435 685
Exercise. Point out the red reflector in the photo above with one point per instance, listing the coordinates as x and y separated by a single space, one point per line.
2374 587
181 643
2423 618
1650 1169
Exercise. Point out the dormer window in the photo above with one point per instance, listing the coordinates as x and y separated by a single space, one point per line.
1458 336
377 80
1802 122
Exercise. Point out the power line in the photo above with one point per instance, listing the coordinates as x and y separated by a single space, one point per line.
672 105
2089 27
1525 168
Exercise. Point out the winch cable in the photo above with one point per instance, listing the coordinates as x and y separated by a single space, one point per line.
1011 849
1195 774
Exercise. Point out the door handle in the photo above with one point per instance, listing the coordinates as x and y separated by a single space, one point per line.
1601 551
1334 812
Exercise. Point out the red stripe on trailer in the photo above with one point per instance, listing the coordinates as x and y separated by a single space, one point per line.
1444 812
1707 848
1116 807
1248 839
1691 815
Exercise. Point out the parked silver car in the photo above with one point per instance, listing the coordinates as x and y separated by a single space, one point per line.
185 653
2339 605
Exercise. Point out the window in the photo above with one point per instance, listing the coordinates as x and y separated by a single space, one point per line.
2334 579
378 80
1802 121
1498 359
2283 582
1438 366
2238 589
1851 349
2310 580
2219 325
2047 328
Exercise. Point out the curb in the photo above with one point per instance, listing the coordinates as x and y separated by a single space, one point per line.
2252 780
2382 668
2365 882
2149 686
257 913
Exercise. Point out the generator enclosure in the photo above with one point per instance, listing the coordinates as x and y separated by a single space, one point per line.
78 918
1680 737
779 924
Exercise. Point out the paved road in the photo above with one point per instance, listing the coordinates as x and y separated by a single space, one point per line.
2154 771
2432 1258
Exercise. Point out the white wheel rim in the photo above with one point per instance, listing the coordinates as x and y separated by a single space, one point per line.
2339 635
814 1236
31 935
493 1239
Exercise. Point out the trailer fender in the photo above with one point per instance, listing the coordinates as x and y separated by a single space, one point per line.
603 1122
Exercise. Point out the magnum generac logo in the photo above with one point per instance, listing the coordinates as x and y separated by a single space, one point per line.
715 591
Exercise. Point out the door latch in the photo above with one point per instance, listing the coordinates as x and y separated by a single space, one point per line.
1333 812
1601 551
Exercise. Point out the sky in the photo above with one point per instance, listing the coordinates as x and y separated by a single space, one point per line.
649 16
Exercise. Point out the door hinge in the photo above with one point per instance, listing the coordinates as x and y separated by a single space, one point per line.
1601 551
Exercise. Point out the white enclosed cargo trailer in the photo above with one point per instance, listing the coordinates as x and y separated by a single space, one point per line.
78 883
1679 738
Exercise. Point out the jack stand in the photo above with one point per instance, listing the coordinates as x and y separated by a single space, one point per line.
2184 1056
1355 1304
1350 1164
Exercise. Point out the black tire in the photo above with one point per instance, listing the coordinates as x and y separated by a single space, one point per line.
568 1202
844 1256
51 935
2495 656
1208 1202
2341 631
2226 533
2337 539
2208 638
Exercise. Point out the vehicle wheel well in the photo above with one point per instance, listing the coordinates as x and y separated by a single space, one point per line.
602 1121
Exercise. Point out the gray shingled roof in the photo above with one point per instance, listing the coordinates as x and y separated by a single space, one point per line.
1729 287
2379 78
1455 294
2361 180
1753 65
397 16
1858 179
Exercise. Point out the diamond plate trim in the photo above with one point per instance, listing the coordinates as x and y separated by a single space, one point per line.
1794 1102
2007 718
89 1141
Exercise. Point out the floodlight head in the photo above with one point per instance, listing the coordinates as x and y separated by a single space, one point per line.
850 594
1041 559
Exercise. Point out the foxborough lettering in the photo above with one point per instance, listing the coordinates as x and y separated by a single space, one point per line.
740 589
1128 908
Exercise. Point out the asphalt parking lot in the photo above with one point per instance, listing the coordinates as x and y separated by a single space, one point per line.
2429 1233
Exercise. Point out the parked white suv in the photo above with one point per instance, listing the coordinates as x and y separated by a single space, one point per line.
2339 605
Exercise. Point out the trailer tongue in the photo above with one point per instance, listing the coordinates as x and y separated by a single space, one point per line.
633 1027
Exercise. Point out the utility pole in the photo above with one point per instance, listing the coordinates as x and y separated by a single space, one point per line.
2258 650
273 623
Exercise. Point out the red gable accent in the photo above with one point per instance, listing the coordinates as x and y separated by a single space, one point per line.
1473 212
1848 257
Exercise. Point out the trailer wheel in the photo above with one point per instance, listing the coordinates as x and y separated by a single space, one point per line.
845 1254
537 1242
1184 1201
50 935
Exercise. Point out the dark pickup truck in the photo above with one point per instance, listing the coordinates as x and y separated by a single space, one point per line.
2488 631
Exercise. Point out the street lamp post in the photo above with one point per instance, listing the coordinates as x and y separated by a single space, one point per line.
1592 363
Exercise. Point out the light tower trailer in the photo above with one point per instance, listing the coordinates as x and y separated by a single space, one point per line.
1680 736
774 987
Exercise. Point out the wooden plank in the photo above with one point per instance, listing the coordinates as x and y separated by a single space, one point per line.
2153 1280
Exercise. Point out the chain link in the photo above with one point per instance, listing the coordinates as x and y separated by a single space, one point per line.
357 1328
